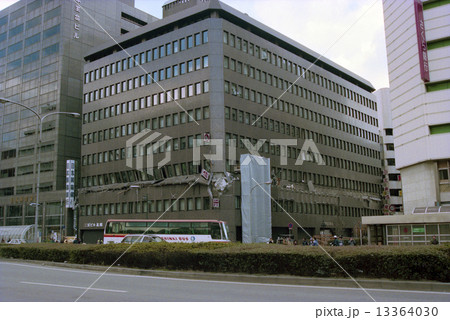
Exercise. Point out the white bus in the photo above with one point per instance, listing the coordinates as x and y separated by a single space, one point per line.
187 231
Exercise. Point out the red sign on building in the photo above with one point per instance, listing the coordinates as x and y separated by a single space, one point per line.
421 41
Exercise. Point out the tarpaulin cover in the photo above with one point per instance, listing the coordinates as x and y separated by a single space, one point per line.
255 199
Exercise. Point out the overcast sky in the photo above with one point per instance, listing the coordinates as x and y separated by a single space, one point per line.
348 32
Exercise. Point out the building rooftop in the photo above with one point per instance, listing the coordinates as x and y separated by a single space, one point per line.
204 7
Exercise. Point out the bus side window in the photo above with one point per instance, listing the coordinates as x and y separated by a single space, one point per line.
117 227
215 231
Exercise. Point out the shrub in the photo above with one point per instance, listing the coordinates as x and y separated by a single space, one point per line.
407 263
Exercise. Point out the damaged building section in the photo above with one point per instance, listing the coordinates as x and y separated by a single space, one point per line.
314 120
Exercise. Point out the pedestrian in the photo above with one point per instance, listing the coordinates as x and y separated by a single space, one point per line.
295 242
305 242
351 242
434 240
341 241
315 242
335 242
271 240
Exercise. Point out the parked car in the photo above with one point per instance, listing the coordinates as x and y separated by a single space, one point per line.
17 241
132 238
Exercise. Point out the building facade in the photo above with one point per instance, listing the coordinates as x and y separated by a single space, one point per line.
419 68
210 83
392 182
42 45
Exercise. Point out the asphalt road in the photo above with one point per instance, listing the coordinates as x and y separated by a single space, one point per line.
27 282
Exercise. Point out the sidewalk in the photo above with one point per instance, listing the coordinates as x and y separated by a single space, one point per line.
268 279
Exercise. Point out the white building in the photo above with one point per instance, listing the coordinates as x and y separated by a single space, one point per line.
420 108
418 52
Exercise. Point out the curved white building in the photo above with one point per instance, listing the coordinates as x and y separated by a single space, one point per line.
418 50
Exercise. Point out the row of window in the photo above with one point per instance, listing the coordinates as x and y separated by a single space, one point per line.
274 59
294 89
321 208
26 151
148 56
295 153
151 206
149 174
307 114
147 79
24 170
324 180
189 168
136 127
50 32
204 203
47 51
9 191
12 135
297 132
29 8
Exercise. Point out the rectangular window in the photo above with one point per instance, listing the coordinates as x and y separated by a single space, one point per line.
16 30
190 42
31 57
440 129
52 13
18 13
14 64
51 32
15 47
50 50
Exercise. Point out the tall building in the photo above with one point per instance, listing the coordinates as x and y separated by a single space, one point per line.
392 182
418 63
418 57
209 77
42 45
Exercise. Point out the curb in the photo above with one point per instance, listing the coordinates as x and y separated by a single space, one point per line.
265 279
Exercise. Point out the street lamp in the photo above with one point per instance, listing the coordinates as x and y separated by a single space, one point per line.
40 121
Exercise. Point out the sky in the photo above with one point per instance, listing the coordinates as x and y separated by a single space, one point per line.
348 32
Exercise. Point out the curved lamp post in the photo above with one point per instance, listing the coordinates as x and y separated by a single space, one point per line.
40 121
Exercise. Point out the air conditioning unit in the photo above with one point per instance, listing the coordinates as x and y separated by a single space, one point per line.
28 132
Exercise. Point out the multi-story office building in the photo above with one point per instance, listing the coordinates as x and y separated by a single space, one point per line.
206 73
392 182
420 94
42 46
418 63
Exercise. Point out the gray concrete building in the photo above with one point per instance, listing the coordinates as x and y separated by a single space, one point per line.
42 46
392 181
208 74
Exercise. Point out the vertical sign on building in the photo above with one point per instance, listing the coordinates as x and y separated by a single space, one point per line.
77 19
421 41
70 184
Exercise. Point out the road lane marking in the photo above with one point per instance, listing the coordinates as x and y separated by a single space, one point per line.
230 282
71 287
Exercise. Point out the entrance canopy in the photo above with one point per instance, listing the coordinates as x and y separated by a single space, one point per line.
17 232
